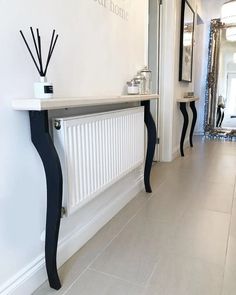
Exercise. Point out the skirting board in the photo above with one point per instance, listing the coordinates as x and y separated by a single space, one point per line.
33 275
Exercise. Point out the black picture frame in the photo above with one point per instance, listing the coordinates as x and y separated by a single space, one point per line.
186 42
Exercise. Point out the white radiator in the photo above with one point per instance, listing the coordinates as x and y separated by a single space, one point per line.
96 150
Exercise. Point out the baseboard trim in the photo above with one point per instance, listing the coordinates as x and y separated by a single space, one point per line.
32 276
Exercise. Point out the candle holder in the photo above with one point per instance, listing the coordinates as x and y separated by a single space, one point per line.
42 89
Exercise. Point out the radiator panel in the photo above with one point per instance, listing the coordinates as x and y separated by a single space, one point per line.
96 151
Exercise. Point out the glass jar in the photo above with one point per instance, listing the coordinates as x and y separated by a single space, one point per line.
140 80
132 87
148 80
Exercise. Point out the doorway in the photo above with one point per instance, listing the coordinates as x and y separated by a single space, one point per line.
154 41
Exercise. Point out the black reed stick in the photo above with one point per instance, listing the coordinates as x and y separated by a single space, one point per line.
50 48
30 51
38 49
50 52
40 52
52 39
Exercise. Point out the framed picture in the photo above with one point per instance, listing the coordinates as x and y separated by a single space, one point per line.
186 42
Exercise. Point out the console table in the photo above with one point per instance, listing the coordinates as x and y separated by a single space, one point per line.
41 138
183 108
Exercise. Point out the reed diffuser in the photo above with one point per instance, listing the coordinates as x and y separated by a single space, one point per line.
42 89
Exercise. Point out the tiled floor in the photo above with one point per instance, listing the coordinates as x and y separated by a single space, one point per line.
181 240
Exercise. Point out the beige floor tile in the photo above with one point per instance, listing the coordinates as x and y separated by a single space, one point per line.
177 187
213 196
229 287
202 234
133 254
233 220
80 261
94 283
217 174
176 275
174 241
214 203
160 173
167 207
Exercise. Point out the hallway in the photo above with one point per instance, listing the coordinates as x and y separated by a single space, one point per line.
179 241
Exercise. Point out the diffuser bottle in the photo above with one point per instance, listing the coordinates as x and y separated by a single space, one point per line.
43 89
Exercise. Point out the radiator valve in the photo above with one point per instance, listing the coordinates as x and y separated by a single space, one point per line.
57 124
63 212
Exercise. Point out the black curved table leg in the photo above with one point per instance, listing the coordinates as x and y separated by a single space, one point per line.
218 116
43 143
222 118
185 126
152 136
194 110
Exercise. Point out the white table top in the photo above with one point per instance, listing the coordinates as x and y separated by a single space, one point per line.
188 99
63 103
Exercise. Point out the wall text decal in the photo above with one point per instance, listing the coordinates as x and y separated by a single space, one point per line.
114 7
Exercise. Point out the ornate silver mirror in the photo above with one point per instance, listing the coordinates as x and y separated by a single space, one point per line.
220 110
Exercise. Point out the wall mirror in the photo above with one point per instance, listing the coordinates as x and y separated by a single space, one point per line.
186 42
220 110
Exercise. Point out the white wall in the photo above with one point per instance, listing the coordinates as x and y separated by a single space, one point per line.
97 52
212 8
201 50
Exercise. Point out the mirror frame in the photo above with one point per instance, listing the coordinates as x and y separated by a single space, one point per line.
212 74
185 4
212 78
210 116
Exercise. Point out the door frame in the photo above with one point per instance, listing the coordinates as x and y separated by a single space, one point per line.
153 61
